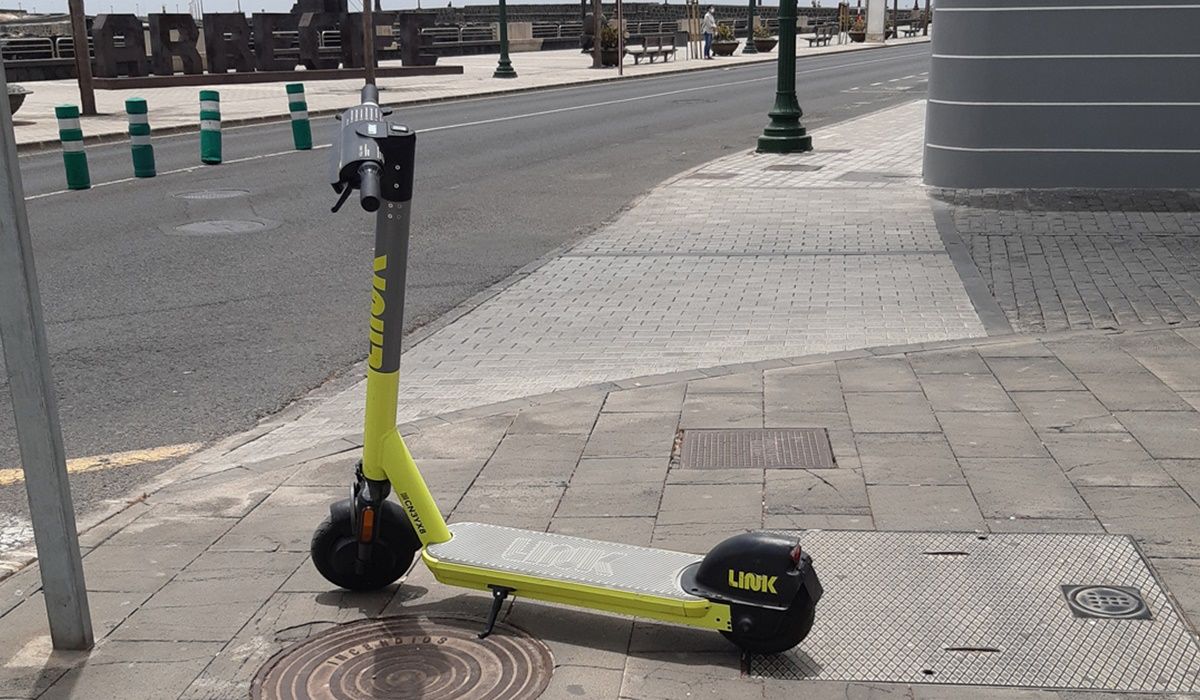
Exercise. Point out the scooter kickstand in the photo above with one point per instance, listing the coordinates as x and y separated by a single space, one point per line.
499 593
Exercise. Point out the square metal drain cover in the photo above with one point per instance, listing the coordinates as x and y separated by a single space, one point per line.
967 609
754 448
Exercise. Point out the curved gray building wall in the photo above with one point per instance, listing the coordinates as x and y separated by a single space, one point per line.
1064 93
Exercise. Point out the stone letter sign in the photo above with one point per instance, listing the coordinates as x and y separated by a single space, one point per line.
281 42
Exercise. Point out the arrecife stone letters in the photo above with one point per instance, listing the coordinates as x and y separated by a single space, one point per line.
231 43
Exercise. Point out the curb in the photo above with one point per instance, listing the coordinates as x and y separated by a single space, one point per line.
50 144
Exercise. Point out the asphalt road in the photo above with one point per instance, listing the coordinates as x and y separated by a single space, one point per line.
161 336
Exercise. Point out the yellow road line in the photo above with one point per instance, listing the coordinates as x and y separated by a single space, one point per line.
117 459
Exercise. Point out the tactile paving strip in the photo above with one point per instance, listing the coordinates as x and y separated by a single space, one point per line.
985 610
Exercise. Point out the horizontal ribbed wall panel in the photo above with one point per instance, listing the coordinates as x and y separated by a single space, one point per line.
1007 109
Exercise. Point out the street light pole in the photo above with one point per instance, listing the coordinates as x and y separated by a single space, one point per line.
35 412
83 58
749 47
785 134
504 68
925 29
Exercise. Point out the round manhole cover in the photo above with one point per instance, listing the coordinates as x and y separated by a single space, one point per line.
213 194
1108 602
408 657
225 227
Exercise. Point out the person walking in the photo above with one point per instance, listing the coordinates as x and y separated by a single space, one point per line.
708 26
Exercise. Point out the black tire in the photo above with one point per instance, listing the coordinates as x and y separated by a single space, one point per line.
765 631
334 550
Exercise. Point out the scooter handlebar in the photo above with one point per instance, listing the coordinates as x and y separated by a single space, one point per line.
368 193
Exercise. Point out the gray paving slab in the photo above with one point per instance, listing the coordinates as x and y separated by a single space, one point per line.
1023 488
908 459
1133 392
1033 374
688 504
715 476
877 374
953 361
1181 576
162 670
1065 412
891 412
632 435
735 383
722 410
1047 525
674 675
1164 520
799 390
666 398
935 508
1169 356
559 417
1105 459
609 500
809 521
815 492
620 470
1186 473
1165 434
273 526
990 434
530 507
965 392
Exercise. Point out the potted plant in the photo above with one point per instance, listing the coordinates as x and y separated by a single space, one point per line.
764 40
608 46
16 97
858 30
724 43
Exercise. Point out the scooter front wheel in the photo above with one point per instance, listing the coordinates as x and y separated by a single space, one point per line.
766 631
334 549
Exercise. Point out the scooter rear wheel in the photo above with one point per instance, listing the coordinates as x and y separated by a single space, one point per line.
766 631
334 550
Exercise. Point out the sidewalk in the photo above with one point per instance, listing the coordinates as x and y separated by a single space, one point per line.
177 108
974 471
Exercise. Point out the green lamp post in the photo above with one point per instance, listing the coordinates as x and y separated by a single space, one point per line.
504 68
749 47
785 134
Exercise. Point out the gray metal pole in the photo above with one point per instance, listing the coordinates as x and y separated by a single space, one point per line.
42 456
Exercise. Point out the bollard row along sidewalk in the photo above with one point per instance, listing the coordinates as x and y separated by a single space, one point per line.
174 107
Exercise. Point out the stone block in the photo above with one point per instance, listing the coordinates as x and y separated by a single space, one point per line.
1065 412
1164 520
1105 459
966 392
891 412
908 459
1165 434
933 508
989 434
722 410
1023 488
877 374
1033 374
815 492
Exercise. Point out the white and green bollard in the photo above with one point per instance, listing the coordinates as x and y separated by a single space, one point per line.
301 129
210 127
139 137
74 158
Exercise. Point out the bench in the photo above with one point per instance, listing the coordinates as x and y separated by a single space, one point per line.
651 46
911 30
823 33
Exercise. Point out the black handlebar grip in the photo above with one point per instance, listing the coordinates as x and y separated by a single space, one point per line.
368 192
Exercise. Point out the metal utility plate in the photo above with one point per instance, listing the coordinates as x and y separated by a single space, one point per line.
984 610
755 448
563 558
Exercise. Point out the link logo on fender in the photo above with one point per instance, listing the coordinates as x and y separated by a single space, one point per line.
759 583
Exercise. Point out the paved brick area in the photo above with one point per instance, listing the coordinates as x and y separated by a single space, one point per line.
749 258
194 588
1056 260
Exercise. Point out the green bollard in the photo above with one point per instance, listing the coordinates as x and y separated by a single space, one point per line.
74 158
210 127
139 137
301 129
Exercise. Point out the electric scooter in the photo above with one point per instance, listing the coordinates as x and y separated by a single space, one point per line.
759 589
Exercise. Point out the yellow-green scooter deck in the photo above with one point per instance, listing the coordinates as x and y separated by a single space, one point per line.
620 578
